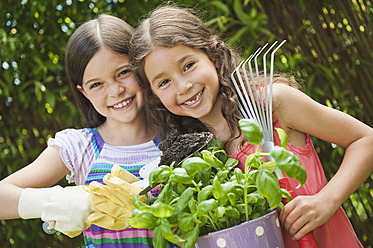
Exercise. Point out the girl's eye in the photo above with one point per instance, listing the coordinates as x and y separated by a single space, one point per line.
94 85
163 83
188 66
124 72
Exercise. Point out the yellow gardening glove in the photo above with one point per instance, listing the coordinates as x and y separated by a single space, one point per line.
113 202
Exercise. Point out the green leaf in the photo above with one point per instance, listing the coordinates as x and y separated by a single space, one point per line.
283 137
160 174
270 166
221 155
195 218
139 205
191 238
252 131
144 220
184 198
238 35
232 212
211 159
165 194
180 175
185 221
286 194
269 187
252 161
238 9
220 211
231 163
50 98
239 174
222 175
205 206
161 210
217 189
204 176
252 198
194 164
204 193
158 240
221 5
192 206
217 162
290 164
167 233
232 198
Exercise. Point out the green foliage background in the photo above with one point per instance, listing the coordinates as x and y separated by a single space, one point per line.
329 48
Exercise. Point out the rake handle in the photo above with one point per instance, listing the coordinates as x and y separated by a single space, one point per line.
308 241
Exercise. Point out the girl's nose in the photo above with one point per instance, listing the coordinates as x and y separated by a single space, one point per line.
183 87
115 89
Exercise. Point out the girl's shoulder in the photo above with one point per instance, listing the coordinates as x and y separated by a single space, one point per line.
75 134
73 138
281 90
292 109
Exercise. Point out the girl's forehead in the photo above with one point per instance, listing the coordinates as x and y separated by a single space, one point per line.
178 51
104 63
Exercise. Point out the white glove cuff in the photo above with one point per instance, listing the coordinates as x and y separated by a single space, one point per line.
31 202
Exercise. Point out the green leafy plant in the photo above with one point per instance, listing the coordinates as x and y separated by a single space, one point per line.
208 193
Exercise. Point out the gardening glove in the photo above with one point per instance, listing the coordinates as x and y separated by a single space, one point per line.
113 201
65 209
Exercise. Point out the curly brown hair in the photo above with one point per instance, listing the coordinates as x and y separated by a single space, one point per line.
169 26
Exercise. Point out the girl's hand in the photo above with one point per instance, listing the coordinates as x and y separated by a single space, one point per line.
305 213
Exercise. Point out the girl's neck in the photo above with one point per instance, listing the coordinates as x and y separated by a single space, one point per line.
125 134
221 130
218 125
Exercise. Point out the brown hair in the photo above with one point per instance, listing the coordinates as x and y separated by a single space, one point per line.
169 26
104 31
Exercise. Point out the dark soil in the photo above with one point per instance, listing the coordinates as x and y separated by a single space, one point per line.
179 146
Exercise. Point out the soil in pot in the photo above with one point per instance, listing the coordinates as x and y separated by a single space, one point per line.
178 146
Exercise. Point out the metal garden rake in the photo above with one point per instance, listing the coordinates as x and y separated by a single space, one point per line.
257 106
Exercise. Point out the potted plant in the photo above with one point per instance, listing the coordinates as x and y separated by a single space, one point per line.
207 193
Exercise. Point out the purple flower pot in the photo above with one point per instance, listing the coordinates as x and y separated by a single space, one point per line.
261 232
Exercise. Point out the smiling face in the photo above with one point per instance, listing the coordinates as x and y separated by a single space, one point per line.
110 85
184 79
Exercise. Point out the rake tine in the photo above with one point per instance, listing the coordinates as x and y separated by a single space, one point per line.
247 86
271 82
247 113
258 96
256 106
268 124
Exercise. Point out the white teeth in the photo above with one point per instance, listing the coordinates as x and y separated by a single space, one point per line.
122 104
193 101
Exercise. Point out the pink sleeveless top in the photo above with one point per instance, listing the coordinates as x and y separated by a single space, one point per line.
337 232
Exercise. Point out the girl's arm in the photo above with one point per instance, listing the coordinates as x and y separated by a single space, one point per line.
299 114
45 171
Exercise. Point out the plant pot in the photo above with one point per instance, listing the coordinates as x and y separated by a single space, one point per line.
261 232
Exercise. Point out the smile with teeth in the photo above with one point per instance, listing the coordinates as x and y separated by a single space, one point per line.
122 104
190 102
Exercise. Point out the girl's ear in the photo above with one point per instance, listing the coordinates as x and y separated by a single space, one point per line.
217 64
81 90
